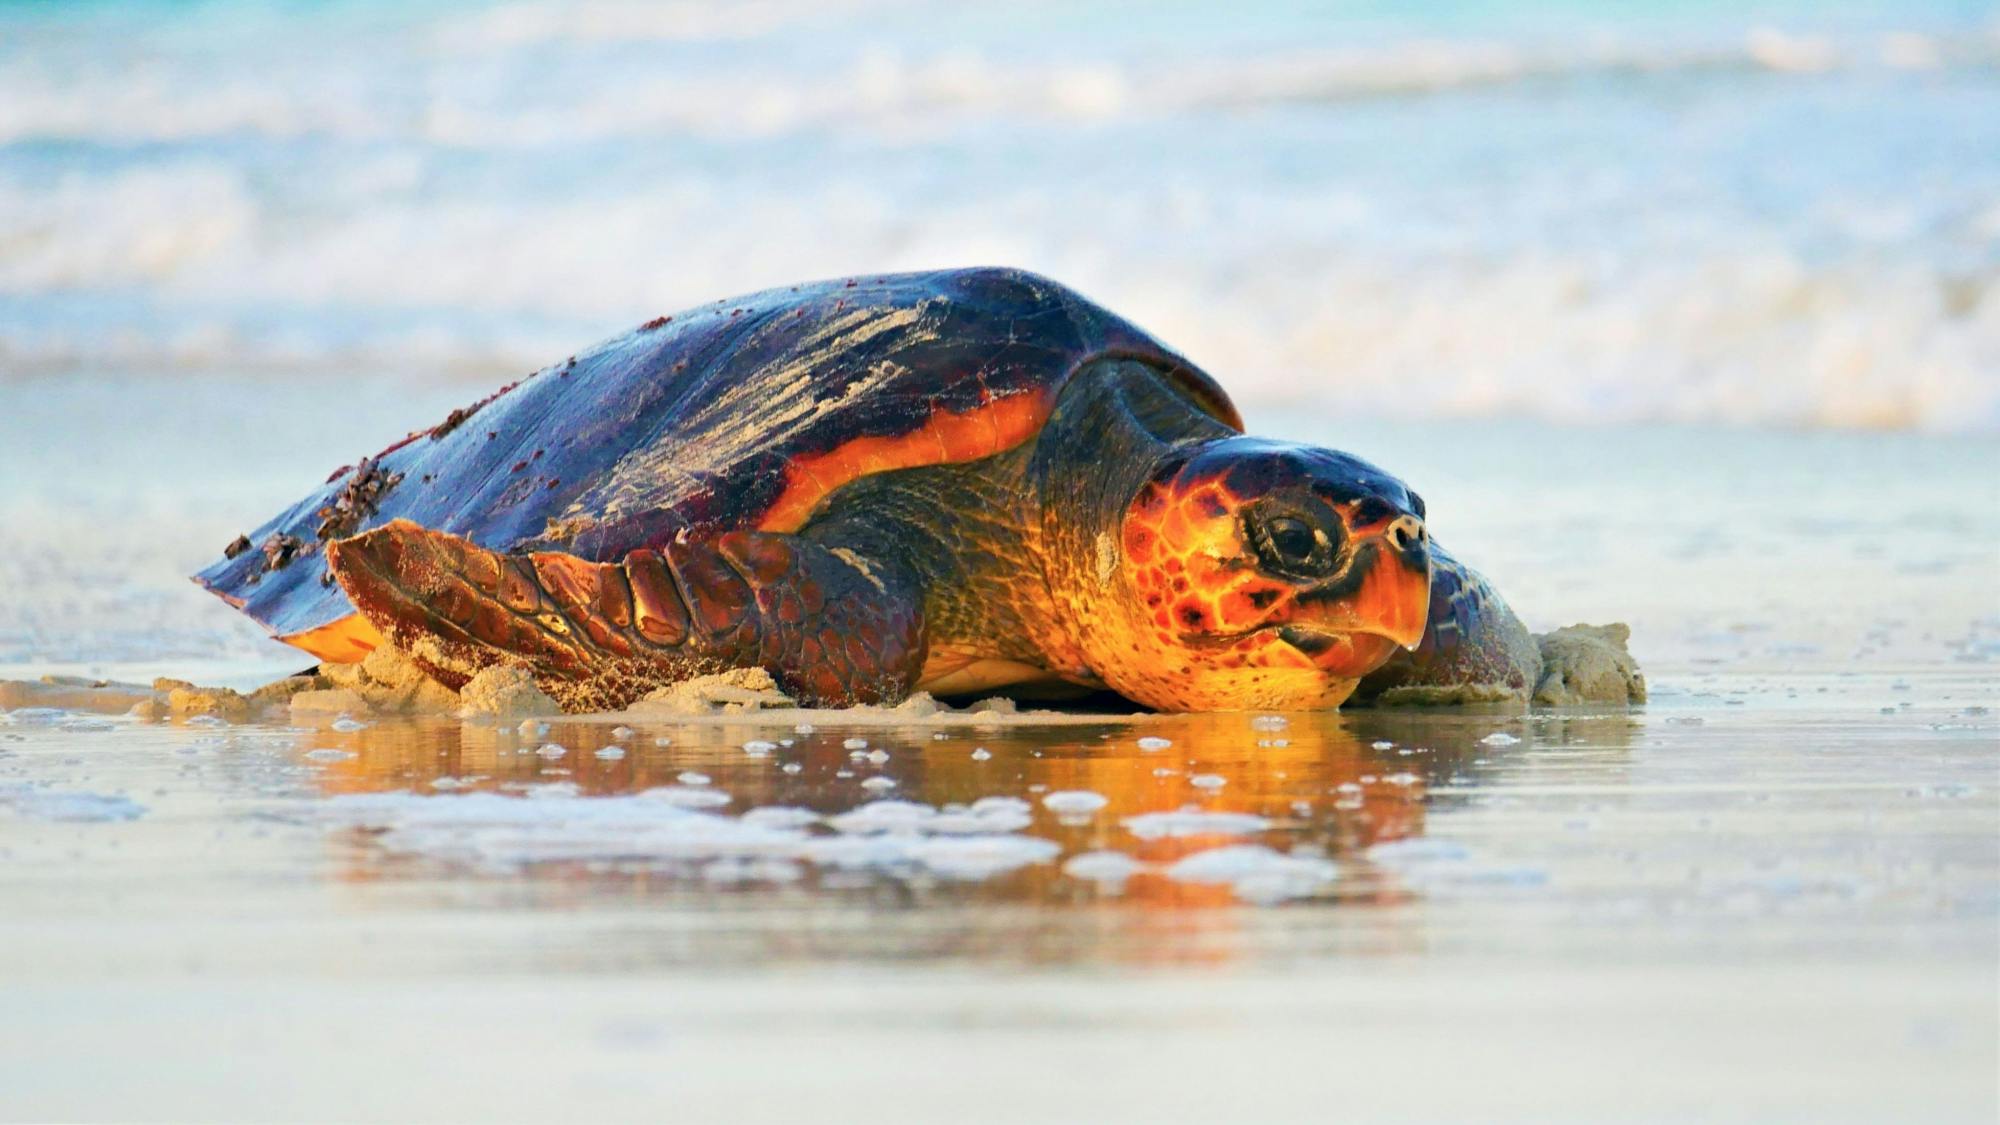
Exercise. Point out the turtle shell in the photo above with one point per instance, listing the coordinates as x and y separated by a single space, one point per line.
745 413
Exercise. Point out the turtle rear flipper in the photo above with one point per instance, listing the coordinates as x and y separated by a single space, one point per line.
831 628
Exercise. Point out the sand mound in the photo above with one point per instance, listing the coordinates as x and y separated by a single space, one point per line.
329 701
731 692
1589 664
503 693
389 683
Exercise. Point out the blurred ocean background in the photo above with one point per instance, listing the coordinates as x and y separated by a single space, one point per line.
1740 213
1681 314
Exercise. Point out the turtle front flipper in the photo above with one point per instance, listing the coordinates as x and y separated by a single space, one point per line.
832 628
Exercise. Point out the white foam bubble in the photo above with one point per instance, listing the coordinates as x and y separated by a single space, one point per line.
780 816
1256 873
491 830
686 796
1101 866
969 858
1191 822
884 816
1073 802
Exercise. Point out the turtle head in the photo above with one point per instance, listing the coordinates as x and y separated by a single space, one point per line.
1261 574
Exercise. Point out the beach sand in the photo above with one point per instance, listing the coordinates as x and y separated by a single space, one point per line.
1758 898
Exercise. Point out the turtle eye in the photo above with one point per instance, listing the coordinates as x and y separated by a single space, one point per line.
1289 545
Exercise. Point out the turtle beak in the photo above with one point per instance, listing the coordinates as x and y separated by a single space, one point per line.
1388 606
1394 600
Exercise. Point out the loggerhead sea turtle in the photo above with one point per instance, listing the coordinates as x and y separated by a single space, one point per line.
952 482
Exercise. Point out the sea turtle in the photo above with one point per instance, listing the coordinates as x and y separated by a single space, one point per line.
953 482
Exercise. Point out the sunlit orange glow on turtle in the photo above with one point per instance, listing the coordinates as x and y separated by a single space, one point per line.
957 482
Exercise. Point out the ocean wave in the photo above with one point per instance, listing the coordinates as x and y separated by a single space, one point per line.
1714 222
512 26
1741 340
535 74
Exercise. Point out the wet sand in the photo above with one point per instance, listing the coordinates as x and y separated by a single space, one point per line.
1759 898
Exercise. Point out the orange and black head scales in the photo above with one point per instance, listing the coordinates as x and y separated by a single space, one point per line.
957 481
1253 573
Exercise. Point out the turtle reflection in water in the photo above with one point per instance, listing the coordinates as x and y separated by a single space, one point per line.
951 482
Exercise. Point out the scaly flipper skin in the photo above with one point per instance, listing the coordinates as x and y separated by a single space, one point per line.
832 629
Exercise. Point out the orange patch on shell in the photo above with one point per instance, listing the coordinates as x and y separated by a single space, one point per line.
946 438
346 641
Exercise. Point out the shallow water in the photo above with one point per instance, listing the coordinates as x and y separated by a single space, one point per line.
1750 822
1771 888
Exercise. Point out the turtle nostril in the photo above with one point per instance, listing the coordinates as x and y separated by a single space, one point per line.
1407 536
